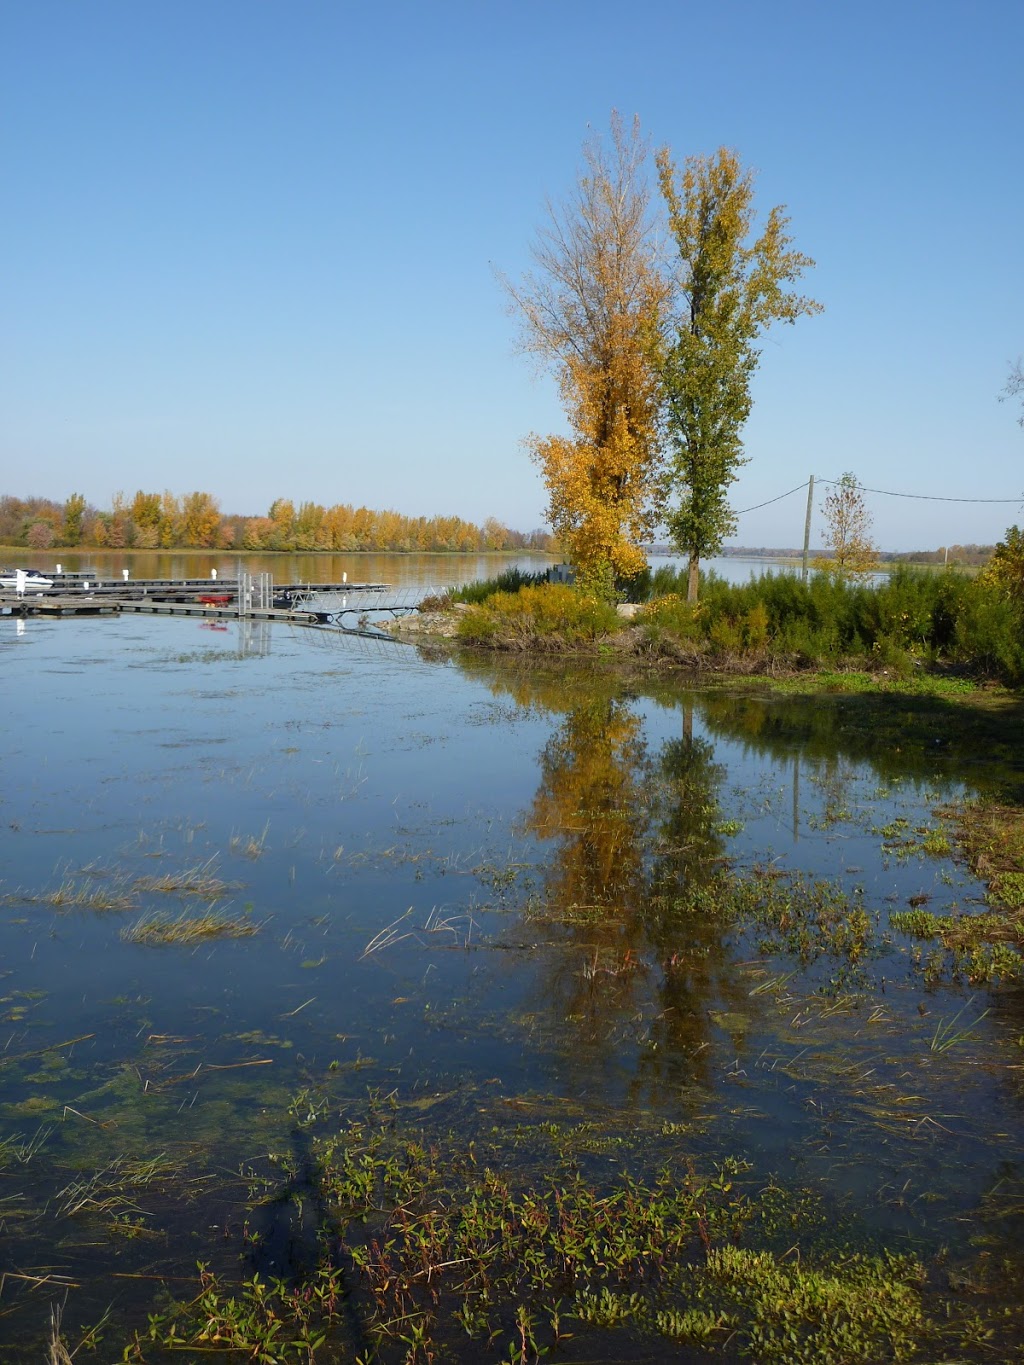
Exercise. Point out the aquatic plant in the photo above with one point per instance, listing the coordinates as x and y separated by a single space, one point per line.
949 1032
984 948
186 928
250 845
271 1321
436 1245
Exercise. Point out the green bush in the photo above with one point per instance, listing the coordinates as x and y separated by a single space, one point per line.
911 618
511 581
673 615
549 616
755 626
989 634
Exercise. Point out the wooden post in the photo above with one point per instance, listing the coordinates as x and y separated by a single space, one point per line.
807 523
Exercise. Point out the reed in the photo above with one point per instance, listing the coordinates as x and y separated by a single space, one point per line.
251 845
947 1033
200 881
189 929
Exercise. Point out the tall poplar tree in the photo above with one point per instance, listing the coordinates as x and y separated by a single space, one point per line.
729 290
588 312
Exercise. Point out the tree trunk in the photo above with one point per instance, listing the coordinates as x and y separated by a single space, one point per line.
694 581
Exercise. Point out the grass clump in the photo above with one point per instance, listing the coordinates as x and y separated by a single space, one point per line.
91 892
992 838
187 929
985 949
200 882
550 617
510 581
792 914
251 845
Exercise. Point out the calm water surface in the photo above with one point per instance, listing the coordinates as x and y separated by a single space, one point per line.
403 571
462 876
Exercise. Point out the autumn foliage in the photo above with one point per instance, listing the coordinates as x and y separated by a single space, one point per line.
588 312
850 551
653 358
155 521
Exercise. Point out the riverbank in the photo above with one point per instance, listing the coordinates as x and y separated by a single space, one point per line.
627 648
952 626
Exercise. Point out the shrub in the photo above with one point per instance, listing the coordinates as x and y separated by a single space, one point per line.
970 622
725 636
511 581
989 633
549 616
755 626
673 615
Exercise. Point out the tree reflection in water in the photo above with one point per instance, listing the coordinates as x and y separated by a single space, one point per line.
636 851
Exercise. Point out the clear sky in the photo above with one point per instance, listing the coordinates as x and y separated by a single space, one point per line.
247 245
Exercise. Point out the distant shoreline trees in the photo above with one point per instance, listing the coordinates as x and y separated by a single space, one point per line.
193 521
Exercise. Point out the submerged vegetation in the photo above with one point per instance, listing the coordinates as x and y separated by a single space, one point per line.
983 947
432 1245
616 1020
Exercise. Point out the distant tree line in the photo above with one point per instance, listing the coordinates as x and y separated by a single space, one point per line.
164 521
958 555
947 554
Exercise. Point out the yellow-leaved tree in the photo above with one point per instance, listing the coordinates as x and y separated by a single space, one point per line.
589 312
851 554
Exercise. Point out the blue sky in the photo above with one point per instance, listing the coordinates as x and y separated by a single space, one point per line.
249 247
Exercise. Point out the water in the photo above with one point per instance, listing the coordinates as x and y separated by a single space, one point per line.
420 571
473 890
741 569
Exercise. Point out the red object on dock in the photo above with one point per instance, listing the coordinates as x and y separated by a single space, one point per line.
210 600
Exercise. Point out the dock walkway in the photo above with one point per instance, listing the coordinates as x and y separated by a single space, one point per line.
81 594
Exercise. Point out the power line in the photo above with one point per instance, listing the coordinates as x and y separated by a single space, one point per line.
883 492
921 497
771 500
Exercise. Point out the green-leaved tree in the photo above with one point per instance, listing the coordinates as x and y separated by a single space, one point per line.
731 288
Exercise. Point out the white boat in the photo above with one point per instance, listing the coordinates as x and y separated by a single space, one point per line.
24 580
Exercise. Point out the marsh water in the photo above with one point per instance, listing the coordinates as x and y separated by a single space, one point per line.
465 890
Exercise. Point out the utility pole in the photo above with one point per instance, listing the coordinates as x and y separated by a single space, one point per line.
807 523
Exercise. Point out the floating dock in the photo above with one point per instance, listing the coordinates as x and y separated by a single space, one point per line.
250 597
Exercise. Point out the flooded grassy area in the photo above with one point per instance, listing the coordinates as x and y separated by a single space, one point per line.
363 1005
